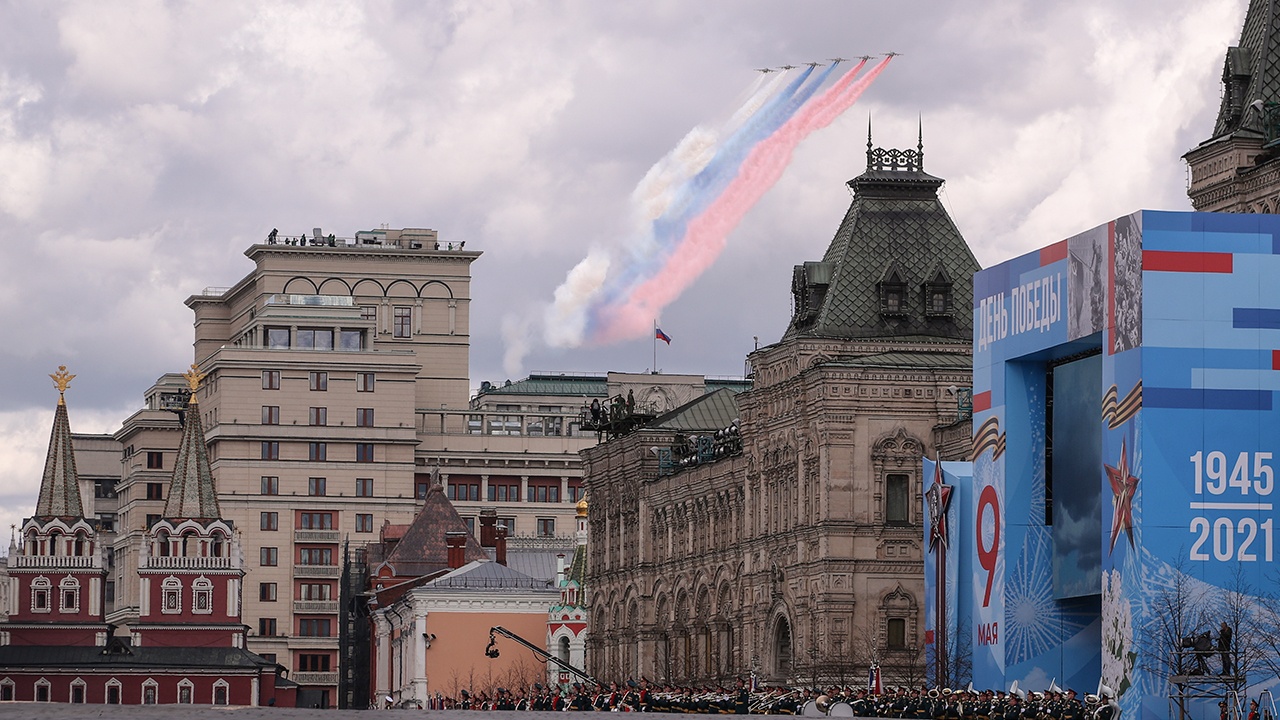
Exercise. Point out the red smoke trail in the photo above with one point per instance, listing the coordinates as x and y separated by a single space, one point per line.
706 235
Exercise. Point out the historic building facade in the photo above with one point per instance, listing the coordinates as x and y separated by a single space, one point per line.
1238 168
187 645
778 532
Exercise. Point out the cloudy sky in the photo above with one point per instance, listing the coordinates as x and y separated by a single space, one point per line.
145 145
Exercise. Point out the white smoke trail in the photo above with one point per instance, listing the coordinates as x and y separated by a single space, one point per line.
565 320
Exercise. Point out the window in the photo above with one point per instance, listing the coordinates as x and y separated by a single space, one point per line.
319 381
316 520
421 488
316 486
504 424
40 588
896 505
267 592
310 339
317 451
109 591
269 521
546 527
270 414
475 424
502 492
77 691
270 450
364 417
509 524
575 491
351 340
113 692
314 627
267 627
364 452
202 596
220 692
270 485
318 416
6 690
155 460
937 295
270 379
471 525
364 523
268 556
893 294
171 596
403 322
69 592
184 692
315 591
896 634
42 690
152 519
104 488
364 487
277 338
313 663
464 491
149 693
364 382
315 556
544 492
155 491
369 312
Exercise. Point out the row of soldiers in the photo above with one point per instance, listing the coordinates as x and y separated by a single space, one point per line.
944 704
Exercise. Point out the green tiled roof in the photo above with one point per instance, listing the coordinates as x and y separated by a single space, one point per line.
710 412
580 385
60 485
191 492
1255 63
895 226
736 385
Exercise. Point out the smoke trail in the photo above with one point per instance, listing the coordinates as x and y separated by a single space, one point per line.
708 232
566 319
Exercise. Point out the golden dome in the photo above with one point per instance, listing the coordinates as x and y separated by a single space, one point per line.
582 507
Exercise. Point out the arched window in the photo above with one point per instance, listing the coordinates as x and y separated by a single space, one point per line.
186 691
42 690
171 596
77 691
163 547
69 595
150 692
202 596
6 689
113 692
40 589
220 692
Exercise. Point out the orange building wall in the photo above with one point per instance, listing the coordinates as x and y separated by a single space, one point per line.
456 657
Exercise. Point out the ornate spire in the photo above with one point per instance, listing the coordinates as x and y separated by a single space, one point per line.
60 485
192 494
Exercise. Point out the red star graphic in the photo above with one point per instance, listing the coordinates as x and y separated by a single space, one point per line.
939 497
1123 487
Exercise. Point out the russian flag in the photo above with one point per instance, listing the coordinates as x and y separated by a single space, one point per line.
659 335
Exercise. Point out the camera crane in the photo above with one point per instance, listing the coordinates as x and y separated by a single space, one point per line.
491 650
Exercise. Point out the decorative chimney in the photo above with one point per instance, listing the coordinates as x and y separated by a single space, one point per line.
456 543
500 546
488 527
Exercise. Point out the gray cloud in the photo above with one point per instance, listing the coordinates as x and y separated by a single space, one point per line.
133 174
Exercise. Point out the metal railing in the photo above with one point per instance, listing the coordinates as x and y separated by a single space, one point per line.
321 607
317 536
183 562
317 571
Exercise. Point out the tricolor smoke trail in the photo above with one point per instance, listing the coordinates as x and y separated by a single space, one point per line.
690 201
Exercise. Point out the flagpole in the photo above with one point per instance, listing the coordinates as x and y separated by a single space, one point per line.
655 346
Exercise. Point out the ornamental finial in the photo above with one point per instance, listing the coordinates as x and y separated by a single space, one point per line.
62 380
193 377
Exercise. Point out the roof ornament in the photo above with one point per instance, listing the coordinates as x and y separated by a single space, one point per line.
62 380
193 378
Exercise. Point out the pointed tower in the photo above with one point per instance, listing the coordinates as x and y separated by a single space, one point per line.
1234 170
55 576
567 621
190 567
897 266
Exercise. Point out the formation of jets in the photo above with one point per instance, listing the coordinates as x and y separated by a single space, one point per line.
783 68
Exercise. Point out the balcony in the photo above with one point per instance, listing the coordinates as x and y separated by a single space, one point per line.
56 561
331 572
315 678
180 562
317 536
320 607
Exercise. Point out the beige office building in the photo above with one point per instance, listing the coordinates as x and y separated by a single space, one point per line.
337 387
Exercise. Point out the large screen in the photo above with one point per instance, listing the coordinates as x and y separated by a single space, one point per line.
1073 504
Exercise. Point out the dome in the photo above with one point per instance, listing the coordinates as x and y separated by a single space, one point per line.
582 507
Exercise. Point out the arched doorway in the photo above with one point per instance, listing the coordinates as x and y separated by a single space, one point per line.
782 649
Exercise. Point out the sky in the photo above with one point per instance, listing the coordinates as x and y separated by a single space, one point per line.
145 145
